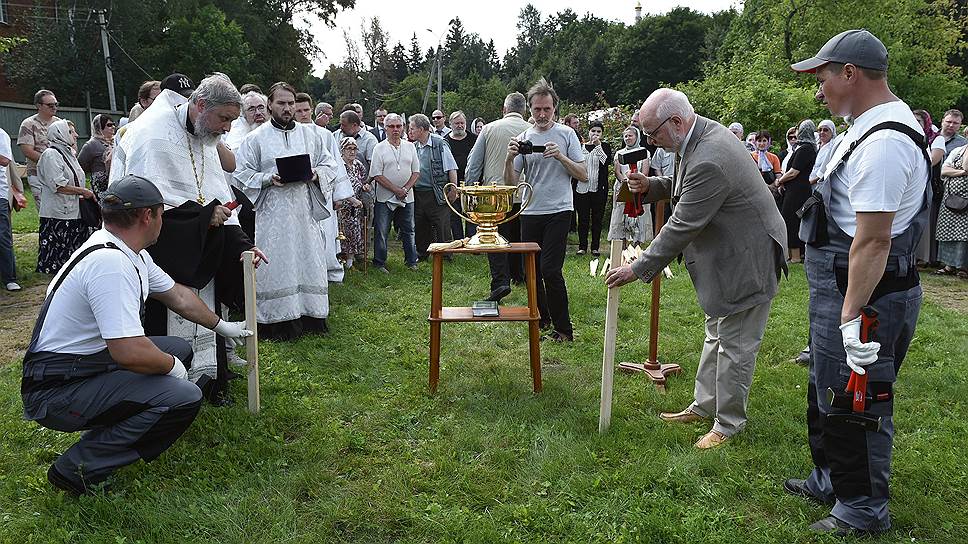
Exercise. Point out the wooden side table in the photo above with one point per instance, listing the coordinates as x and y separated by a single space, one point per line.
529 313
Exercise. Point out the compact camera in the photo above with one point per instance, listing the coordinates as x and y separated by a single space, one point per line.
525 147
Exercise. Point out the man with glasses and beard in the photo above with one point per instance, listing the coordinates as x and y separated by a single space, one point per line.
174 145
294 294
254 113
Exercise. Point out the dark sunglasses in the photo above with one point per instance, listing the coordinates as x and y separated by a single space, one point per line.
438 116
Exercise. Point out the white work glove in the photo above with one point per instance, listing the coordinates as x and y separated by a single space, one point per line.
178 369
859 354
233 330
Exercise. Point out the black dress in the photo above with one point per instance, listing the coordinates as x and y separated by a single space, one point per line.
797 190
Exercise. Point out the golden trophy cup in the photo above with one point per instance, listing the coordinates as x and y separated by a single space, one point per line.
487 206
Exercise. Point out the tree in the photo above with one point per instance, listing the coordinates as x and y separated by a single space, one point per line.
415 57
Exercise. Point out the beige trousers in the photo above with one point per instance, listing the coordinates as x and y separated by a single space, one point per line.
726 367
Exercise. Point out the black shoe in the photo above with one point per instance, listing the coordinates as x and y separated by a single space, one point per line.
799 488
499 292
558 337
61 482
833 526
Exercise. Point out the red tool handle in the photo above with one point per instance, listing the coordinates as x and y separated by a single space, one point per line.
634 207
858 382
232 205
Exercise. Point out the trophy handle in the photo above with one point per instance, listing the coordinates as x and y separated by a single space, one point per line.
524 204
451 206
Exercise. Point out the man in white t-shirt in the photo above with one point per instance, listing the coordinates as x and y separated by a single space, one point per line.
547 219
90 366
395 169
861 235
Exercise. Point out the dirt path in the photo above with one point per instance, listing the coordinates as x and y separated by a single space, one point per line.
947 291
19 310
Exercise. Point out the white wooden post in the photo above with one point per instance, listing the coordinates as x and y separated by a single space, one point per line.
608 355
252 342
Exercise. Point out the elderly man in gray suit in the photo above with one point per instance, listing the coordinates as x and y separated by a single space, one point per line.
726 225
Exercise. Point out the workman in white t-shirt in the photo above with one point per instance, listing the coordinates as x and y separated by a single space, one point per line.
547 217
861 228
90 366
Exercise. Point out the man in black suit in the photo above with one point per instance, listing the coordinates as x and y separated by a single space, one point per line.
378 130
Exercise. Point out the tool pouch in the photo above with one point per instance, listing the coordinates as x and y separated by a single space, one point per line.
813 221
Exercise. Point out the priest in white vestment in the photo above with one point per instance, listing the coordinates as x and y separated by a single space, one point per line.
174 145
340 189
293 295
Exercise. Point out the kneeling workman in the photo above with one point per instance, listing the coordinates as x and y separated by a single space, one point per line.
89 365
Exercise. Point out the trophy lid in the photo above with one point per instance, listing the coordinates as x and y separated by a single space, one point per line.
487 189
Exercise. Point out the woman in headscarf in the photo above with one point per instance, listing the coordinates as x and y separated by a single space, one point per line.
795 185
477 125
622 227
786 152
95 156
350 210
828 133
62 184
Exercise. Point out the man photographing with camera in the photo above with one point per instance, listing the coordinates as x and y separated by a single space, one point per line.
550 155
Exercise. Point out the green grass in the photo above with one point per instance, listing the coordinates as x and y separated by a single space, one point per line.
350 447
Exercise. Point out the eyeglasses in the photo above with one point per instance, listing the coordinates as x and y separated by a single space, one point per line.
255 109
651 135
108 124
792 137
435 117
51 105
393 126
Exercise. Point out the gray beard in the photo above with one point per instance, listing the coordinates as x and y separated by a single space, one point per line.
458 135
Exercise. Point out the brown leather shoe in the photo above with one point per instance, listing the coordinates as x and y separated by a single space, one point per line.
685 416
711 440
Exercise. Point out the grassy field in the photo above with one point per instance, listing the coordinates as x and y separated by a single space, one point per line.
350 447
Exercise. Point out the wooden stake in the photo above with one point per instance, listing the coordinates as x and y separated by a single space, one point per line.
608 355
252 342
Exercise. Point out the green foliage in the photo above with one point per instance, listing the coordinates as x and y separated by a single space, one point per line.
477 97
744 91
920 36
208 42
7 44
249 41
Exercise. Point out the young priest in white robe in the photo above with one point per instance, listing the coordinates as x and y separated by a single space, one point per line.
293 297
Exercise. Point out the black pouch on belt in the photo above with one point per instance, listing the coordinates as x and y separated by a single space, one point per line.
813 221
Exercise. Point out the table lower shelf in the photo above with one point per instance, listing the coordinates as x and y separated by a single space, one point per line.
465 313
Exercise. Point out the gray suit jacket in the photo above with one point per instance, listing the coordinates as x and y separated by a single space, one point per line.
724 222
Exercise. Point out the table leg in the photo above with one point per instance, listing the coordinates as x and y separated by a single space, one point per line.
436 296
534 331
434 355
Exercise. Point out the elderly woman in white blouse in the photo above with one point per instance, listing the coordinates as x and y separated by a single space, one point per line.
62 184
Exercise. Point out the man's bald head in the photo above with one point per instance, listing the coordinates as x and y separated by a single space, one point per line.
666 117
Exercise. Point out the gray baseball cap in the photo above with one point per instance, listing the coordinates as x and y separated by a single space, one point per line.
131 192
857 47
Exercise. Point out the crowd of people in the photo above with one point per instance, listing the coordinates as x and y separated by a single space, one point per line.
197 175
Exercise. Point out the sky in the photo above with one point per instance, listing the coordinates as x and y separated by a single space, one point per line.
494 19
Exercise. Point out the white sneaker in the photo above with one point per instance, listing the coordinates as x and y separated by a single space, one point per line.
13 286
233 359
